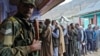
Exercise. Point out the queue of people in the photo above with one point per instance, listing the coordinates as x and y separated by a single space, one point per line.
77 40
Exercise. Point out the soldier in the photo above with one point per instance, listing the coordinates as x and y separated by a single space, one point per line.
17 34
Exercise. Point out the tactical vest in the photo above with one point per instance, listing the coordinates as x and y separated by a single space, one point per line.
22 35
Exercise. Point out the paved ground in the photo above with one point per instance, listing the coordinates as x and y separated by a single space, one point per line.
94 54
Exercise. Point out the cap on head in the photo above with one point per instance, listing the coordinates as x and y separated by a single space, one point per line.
28 2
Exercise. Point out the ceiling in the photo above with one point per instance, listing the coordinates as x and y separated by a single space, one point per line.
43 5
51 4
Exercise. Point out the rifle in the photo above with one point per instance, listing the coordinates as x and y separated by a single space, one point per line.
36 27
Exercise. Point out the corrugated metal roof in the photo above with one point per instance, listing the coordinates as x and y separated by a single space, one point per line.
68 9
91 8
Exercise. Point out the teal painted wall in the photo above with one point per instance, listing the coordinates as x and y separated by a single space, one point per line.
89 16
86 22
98 20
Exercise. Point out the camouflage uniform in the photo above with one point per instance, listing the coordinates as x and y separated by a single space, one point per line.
15 36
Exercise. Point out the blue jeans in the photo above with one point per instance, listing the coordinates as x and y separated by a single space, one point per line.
90 45
55 51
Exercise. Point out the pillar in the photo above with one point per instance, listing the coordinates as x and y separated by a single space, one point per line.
95 19
80 22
